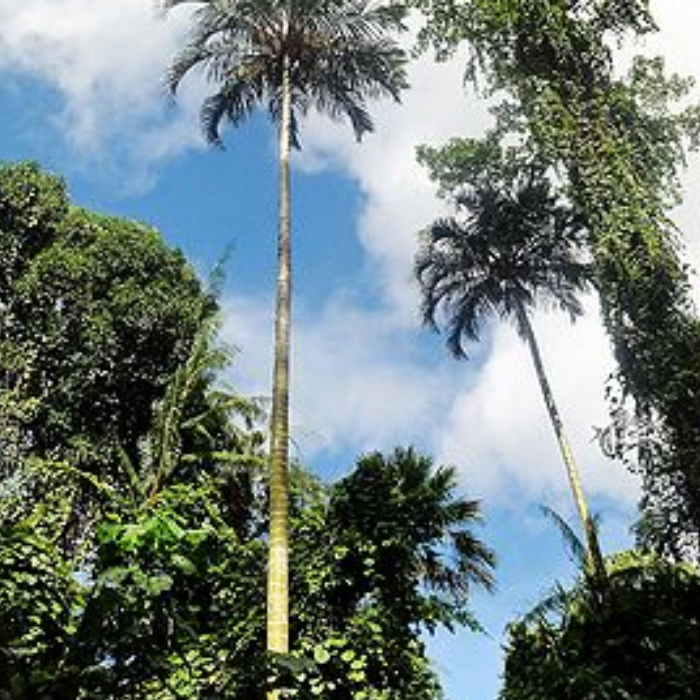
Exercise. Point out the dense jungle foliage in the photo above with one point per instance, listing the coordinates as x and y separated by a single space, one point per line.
133 535
134 501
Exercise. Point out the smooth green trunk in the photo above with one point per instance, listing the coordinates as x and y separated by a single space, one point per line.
278 564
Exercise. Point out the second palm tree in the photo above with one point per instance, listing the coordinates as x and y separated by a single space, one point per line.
516 246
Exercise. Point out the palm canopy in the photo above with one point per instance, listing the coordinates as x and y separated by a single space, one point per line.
419 531
336 53
511 247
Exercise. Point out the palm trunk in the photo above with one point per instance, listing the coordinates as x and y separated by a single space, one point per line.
278 564
594 555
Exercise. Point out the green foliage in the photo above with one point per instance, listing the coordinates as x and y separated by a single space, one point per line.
174 560
514 40
512 246
32 205
408 539
128 470
171 602
176 608
96 313
641 644
105 312
468 164
165 567
199 426
386 552
38 599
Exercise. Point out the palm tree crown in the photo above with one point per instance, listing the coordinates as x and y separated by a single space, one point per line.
511 248
337 53
420 531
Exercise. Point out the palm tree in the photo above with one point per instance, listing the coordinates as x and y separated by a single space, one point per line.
419 530
515 246
288 56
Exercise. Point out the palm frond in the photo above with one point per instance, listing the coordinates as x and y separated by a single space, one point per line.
196 421
572 541
233 103
340 54
557 601
511 246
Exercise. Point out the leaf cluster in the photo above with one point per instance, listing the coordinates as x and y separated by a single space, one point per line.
96 313
515 243
332 56
642 644
38 598
385 553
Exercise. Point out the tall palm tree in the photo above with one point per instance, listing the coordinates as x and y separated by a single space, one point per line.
287 57
514 246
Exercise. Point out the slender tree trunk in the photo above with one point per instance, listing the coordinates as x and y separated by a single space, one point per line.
278 564
594 554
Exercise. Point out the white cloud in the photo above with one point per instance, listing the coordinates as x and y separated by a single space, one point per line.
677 39
687 218
400 199
677 43
359 384
105 62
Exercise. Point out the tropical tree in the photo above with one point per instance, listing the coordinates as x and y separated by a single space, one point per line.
619 143
288 56
385 554
513 246
96 313
642 643
403 514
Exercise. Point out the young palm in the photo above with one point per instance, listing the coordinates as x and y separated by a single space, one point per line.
287 57
514 247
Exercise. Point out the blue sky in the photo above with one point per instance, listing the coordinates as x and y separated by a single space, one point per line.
80 92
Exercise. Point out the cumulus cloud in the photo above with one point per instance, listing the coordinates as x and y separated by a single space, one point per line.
104 62
499 432
357 383
399 197
360 384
